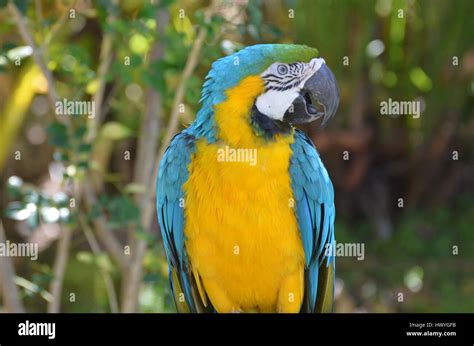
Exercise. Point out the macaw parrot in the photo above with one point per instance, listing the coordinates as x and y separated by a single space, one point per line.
245 205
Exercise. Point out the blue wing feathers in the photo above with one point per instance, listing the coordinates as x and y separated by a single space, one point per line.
172 174
315 210
305 222
313 276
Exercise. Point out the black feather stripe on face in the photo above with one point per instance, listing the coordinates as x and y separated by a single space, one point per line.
288 81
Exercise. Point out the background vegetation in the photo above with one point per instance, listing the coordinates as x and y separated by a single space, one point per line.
83 188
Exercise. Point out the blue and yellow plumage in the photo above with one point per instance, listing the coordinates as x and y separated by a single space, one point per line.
251 237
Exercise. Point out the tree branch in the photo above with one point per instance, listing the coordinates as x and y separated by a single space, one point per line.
28 38
110 242
109 284
106 57
144 174
57 26
11 297
191 64
59 268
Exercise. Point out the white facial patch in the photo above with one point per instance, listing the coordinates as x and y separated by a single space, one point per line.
283 82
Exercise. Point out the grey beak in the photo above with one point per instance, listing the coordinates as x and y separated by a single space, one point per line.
323 90
318 98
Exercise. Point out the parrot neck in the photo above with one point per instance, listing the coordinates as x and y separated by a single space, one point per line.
267 127
240 124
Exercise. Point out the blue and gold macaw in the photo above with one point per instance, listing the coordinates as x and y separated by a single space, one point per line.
245 205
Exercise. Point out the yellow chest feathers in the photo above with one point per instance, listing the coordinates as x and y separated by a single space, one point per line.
241 232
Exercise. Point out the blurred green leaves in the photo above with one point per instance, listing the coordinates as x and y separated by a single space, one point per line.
120 211
34 207
114 130
420 79
70 149
58 136
419 257
139 44
17 211
101 261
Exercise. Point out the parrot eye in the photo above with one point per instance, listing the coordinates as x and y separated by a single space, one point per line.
282 69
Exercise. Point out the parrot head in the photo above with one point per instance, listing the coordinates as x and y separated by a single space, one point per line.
296 84
299 87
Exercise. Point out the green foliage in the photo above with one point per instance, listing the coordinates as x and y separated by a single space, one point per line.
57 135
89 287
156 292
33 206
115 131
120 211
22 5
421 249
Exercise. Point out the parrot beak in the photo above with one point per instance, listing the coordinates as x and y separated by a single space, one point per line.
318 98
